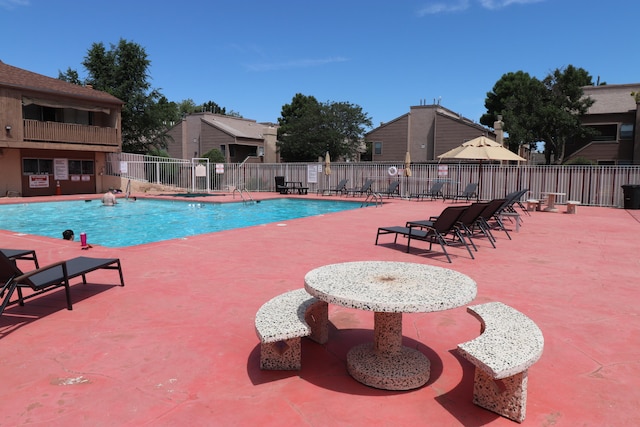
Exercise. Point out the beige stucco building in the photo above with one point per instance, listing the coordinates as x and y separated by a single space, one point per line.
238 139
54 135
426 131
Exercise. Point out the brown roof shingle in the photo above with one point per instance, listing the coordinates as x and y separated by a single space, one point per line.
17 78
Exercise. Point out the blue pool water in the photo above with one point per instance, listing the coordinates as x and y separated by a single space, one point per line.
144 221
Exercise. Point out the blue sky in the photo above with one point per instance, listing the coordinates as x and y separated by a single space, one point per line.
252 57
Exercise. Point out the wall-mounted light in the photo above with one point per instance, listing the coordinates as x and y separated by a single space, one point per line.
7 128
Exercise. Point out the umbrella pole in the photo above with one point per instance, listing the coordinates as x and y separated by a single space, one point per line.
479 181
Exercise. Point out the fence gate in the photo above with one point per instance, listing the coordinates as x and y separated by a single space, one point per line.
200 175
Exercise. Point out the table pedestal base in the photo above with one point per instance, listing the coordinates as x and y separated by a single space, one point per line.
403 370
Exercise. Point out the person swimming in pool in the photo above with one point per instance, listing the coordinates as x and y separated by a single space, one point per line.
67 234
109 199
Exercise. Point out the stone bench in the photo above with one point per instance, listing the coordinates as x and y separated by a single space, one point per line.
534 205
509 344
282 321
572 206
512 215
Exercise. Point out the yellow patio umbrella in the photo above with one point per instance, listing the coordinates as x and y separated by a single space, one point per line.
481 148
407 164
327 164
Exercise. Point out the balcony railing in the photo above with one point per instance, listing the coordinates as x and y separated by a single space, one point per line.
69 132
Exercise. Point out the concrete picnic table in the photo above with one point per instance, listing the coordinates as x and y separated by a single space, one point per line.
551 201
389 289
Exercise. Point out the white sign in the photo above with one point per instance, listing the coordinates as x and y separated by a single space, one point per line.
60 169
312 173
201 170
219 168
124 168
38 181
443 170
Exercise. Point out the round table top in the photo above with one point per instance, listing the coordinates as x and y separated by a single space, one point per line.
392 287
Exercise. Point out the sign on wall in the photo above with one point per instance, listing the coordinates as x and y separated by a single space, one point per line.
38 181
201 170
312 174
60 169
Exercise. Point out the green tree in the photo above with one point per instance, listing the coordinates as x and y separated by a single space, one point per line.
517 98
122 71
215 156
308 129
70 76
561 114
545 111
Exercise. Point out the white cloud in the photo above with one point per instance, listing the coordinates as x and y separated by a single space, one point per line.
444 7
498 4
12 4
297 63
462 5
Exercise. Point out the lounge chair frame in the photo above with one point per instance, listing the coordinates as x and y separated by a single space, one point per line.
434 192
340 188
433 233
470 192
21 254
365 189
48 278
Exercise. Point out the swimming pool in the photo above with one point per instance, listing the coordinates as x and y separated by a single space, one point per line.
132 223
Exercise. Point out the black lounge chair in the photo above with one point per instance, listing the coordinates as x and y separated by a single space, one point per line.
465 224
457 233
470 192
365 189
23 254
434 192
490 218
471 219
49 277
446 223
393 190
340 188
514 199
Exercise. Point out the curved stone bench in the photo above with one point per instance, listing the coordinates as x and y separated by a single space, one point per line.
509 344
534 205
572 206
282 321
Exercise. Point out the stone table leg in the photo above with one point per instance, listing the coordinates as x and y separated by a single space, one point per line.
386 363
551 203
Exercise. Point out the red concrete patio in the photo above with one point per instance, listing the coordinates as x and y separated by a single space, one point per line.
177 346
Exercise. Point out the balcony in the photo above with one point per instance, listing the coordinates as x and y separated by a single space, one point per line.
35 130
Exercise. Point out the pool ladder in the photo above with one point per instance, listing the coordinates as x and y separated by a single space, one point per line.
127 192
243 192
375 198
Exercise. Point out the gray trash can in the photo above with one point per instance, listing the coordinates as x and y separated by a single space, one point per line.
631 196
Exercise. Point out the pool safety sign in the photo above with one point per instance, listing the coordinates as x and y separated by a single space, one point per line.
219 168
201 170
312 173
38 181
60 169
443 170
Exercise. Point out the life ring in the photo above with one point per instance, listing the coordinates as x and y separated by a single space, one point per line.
393 171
